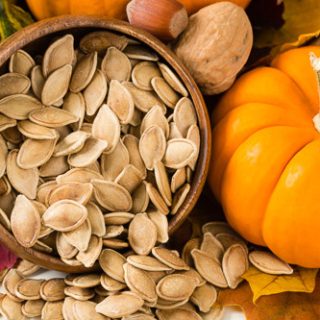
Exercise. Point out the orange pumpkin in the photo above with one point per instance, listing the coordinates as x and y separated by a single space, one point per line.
193 6
265 167
42 9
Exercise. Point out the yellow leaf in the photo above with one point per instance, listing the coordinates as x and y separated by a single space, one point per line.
302 23
262 284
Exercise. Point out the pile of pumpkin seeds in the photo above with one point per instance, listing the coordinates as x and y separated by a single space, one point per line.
161 285
98 147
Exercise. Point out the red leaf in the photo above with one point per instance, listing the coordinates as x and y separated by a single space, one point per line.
7 258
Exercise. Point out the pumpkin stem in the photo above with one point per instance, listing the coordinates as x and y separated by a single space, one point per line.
315 63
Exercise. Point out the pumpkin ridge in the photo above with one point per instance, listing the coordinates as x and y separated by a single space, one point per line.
294 229
236 183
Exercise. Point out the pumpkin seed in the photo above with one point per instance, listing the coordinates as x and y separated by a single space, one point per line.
143 73
25 221
18 106
44 190
83 72
172 79
100 41
79 237
110 284
41 246
204 297
6 122
194 136
169 258
143 100
194 276
161 223
91 255
64 248
86 310
52 117
227 240
120 305
177 314
130 177
37 80
96 219
170 305
269 263
9 283
120 101
106 127
175 287
4 162
71 262
95 93
34 153
52 290
90 152
156 199
178 179
75 104
112 196
140 283
79 294
139 52
209 268
139 316
116 65
86 281
21 62
165 92
174 132
147 263
118 218
13 83
28 289
152 146
67 309
212 247
32 308
112 263
35 131
140 199
11 309
52 311
116 244
56 85
54 167
162 182
82 175
132 145
234 264
65 215
113 231
27 268
179 153
179 198
58 54
216 227
142 234
155 117
113 163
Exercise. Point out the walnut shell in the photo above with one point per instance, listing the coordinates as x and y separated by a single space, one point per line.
216 45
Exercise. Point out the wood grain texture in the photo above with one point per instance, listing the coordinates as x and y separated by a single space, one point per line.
36 37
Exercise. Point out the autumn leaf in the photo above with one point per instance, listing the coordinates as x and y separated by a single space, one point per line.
302 23
262 284
282 306
7 258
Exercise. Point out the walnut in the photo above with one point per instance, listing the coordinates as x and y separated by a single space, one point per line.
216 45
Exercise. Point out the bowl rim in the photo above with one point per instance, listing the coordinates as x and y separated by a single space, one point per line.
45 28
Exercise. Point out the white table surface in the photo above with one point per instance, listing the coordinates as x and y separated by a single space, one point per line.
229 313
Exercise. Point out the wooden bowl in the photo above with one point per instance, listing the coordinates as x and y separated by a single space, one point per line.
36 37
